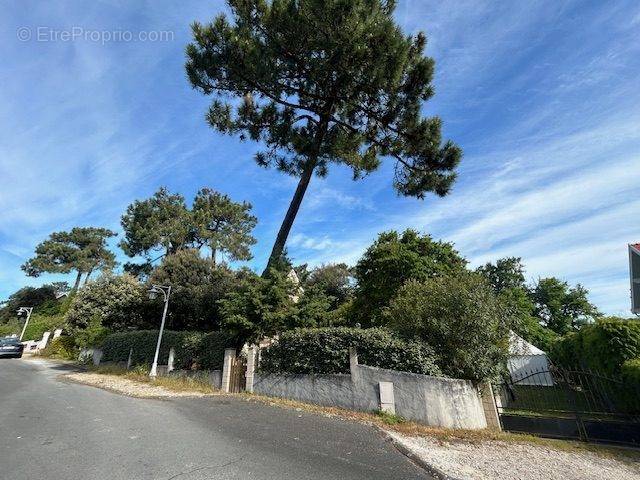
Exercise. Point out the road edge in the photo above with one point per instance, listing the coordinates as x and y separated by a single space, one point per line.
412 457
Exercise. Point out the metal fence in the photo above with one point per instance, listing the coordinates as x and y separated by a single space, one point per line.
566 403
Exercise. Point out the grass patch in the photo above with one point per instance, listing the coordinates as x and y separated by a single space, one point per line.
390 418
141 374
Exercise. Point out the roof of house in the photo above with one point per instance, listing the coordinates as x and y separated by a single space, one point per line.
519 346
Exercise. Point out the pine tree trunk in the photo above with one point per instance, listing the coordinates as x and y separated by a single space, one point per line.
86 279
213 256
294 206
287 223
77 284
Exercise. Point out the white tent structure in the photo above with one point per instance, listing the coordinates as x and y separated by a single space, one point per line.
528 365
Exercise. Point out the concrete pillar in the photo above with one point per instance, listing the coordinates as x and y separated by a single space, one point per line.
229 355
489 406
387 399
130 359
97 356
252 355
44 341
172 359
353 363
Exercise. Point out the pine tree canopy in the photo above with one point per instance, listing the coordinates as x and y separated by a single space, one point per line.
320 82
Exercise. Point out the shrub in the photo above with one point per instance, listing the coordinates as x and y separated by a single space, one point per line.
462 318
631 373
93 335
38 324
603 346
191 348
116 347
326 350
117 301
392 260
61 347
211 350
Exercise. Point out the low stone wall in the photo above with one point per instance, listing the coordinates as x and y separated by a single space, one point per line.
435 401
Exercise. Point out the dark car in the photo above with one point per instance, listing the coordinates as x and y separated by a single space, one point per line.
10 347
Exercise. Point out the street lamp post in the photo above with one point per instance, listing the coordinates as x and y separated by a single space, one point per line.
22 311
153 292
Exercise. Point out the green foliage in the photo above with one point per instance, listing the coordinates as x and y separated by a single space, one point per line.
116 347
506 274
38 324
529 328
631 374
507 279
603 346
10 328
259 306
91 335
117 301
164 223
159 223
323 82
197 284
333 280
62 347
326 350
211 349
461 317
83 249
223 225
41 298
562 308
391 261
192 348
390 418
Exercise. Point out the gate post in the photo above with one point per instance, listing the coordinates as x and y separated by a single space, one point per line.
252 353
229 355
489 405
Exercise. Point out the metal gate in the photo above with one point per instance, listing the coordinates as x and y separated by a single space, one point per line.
237 381
574 404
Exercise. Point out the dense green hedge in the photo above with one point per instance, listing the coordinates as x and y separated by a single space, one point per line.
211 350
603 346
192 348
326 350
61 347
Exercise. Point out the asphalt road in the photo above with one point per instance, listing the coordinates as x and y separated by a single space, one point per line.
57 430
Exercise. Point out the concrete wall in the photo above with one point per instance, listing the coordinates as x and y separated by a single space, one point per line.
435 401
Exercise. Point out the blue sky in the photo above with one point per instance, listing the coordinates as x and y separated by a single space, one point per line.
543 96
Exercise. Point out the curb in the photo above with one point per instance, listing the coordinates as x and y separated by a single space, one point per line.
429 468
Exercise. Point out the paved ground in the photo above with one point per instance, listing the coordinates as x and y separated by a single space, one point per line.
56 430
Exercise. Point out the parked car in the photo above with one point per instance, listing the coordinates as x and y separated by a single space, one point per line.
10 347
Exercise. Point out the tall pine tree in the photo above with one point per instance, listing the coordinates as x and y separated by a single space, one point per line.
320 82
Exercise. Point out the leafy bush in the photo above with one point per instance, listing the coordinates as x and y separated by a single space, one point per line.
603 346
196 286
118 301
326 350
211 350
192 348
461 317
92 335
38 324
116 347
392 260
631 373
61 347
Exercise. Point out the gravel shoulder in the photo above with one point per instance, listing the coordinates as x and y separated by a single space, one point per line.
493 460
128 387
